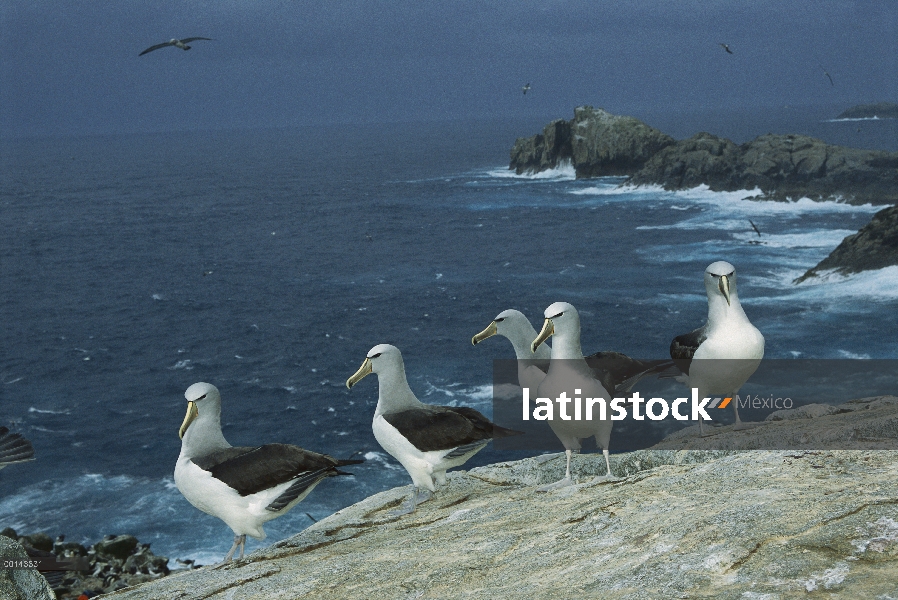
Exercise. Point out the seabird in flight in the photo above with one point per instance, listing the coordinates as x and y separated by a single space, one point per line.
727 48
14 448
755 227
426 439
825 72
526 88
243 486
182 44
720 356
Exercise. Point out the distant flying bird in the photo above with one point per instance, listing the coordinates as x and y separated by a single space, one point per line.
182 44
526 88
727 48
755 227
828 75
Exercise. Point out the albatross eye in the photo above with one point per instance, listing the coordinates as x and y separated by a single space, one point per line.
200 398
498 320
558 315
376 355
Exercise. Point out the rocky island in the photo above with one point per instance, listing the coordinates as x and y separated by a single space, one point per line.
691 518
881 110
783 167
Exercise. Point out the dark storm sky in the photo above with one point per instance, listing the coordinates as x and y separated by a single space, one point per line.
73 66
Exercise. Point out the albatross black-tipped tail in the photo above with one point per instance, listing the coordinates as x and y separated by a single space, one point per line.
14 448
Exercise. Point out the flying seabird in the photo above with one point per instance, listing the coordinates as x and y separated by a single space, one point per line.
182 44
243 486
825 72
14 448
727 48
426 439
526 88
720 356
755 227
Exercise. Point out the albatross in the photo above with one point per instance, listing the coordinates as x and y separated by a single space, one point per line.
14 448
617 372
182 44
526 88
719 356
569 373
426 439
243 486
726 47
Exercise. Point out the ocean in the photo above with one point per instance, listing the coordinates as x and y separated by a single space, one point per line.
269 262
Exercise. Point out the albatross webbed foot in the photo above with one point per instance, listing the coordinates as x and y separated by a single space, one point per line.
418 496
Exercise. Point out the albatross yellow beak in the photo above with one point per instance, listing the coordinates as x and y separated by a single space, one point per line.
724 285
546 333
490 331
365 369
192 413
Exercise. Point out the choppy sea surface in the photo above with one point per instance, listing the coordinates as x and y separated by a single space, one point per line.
269 262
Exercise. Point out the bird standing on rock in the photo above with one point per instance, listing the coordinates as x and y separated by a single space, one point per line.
243 486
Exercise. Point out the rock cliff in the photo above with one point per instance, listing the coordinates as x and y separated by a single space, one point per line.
672 524
875 246
598 143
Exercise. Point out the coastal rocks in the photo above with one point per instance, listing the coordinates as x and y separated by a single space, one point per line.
671 524
595 142
875 246
881 110
113 563
21 584
783 167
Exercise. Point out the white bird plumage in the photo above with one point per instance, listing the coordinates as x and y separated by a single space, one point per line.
243 486
719 357
426 439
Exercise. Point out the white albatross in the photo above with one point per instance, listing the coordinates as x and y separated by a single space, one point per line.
182 44
14 448
243 486
570 374
426 439
720 356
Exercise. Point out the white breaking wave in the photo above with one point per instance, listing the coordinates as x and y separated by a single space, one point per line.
879 286
564 171
848 120
47 411
817 238
459 394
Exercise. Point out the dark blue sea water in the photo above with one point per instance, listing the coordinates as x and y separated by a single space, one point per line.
269 262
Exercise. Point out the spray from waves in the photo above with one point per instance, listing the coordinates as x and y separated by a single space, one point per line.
455 394
47 411
849 120
563 172
840 292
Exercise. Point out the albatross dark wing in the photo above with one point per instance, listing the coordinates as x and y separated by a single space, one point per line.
156 47
193 39
251 470
445 427
618 373
683 348
14 448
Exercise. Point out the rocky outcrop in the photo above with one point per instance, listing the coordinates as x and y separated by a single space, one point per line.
595 142
875 246
113 563
671 524
882 110
20 584
782 166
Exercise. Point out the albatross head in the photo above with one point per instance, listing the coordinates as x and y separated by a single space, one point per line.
202 399
720 280
561 320
506 322
379 359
